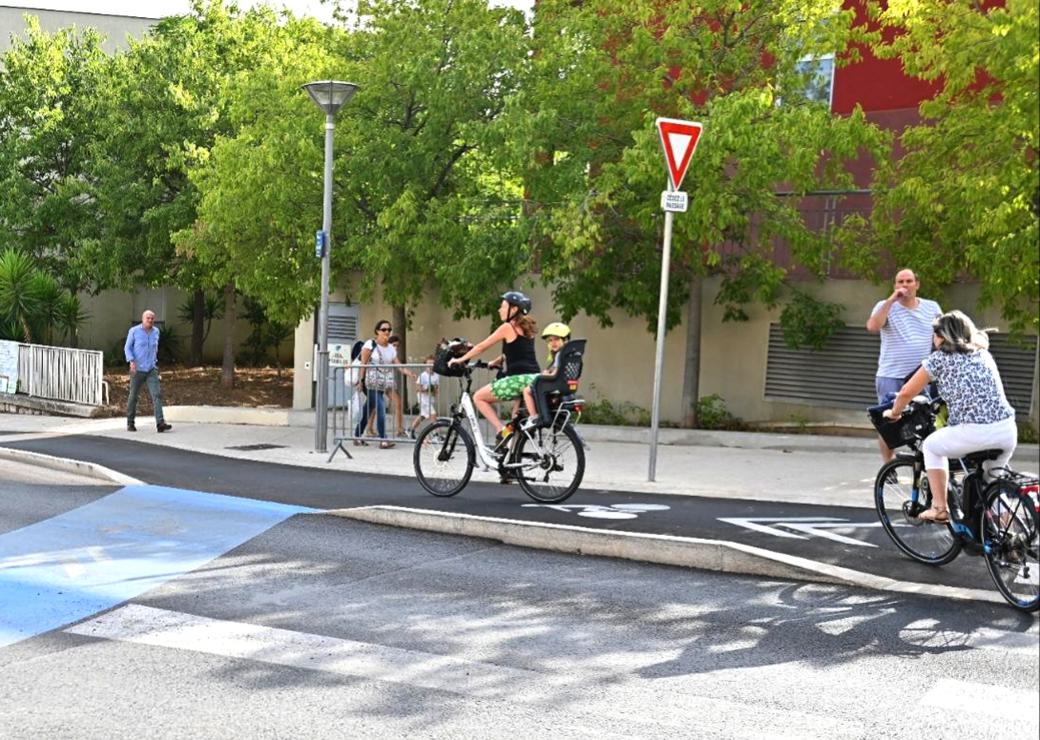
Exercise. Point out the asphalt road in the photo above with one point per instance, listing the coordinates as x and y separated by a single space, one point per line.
323 627
686 516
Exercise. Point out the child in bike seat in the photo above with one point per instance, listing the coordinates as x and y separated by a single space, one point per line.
556 334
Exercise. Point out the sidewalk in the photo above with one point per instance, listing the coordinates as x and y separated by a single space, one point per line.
811 469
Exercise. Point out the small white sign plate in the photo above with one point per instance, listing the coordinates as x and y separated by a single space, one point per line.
674 201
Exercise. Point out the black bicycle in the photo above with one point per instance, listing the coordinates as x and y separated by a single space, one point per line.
999 519
548 461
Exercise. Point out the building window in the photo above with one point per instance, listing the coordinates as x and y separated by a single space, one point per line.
819 78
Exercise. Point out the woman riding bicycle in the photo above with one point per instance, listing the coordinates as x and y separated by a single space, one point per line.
980 416
517 333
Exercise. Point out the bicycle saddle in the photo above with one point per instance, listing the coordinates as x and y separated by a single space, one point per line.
977 458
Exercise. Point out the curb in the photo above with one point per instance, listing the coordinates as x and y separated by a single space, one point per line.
689 552
87 469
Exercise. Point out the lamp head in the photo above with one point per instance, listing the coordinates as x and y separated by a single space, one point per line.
330 95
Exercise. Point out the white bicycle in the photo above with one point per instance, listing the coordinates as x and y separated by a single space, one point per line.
548 462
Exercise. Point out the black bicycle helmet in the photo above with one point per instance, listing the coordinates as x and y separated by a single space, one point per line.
518 300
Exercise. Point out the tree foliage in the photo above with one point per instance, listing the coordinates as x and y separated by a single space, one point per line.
604 70
964 200
51 86
419 200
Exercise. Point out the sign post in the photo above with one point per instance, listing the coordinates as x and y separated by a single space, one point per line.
679 140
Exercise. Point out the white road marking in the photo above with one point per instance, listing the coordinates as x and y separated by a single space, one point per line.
149 626
1003 702
812 526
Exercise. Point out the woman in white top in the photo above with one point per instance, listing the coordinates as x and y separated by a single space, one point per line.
376 378
980 416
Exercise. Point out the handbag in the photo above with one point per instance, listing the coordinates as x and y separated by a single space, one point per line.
379 377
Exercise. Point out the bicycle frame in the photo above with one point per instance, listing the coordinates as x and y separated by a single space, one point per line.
486 458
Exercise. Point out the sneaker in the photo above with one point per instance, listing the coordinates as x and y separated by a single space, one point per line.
503 435
163 427
530 423
131 427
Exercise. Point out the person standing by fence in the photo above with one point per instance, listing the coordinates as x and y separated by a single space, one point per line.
142 352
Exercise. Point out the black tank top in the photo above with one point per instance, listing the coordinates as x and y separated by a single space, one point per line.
520 356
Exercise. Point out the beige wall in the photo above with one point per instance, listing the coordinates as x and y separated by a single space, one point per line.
619 362
112 312
620 359
733 362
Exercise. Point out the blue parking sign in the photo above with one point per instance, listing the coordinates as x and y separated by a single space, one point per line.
320 243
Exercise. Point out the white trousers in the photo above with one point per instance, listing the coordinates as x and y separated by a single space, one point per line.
959 440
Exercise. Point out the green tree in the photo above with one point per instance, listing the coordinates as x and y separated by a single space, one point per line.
964 199
51 86
420 199
602 71
166 109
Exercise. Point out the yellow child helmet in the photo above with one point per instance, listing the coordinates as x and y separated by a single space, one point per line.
556 329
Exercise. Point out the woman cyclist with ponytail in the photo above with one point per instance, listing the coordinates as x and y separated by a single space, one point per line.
517 334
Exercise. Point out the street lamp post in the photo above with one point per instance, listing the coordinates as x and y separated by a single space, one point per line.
330 96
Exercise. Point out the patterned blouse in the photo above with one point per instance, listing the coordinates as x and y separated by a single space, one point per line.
970 384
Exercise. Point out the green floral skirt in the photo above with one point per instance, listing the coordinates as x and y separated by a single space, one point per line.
511 387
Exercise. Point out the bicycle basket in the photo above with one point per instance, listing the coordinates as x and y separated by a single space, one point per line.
456 348
917 424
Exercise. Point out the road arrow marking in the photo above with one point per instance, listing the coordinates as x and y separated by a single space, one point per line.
811 526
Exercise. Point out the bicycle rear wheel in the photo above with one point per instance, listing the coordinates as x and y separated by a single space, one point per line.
897 508
444 458
1009 530
554 476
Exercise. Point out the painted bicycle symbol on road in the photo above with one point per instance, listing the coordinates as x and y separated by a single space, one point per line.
598 511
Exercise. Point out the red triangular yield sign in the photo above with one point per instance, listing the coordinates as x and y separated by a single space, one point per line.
678 139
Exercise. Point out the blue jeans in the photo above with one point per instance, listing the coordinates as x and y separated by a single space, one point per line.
151 378
887 388
377 403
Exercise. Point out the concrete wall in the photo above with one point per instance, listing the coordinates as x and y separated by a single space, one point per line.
115 28
620 359
112 312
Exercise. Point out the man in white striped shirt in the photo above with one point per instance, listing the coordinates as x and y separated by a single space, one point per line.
905 324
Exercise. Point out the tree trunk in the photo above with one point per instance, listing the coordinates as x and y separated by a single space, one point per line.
227 377
198 327
400 319
692 372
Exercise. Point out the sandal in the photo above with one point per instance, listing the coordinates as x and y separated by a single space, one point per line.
939 516
385 445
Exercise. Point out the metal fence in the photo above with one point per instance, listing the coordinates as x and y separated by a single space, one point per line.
404 409
62 374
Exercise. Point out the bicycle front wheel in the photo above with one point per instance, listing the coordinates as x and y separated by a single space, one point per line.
444 458
1009 530
897 508
549 464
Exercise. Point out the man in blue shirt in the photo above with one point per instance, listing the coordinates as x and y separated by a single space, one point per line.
142 352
